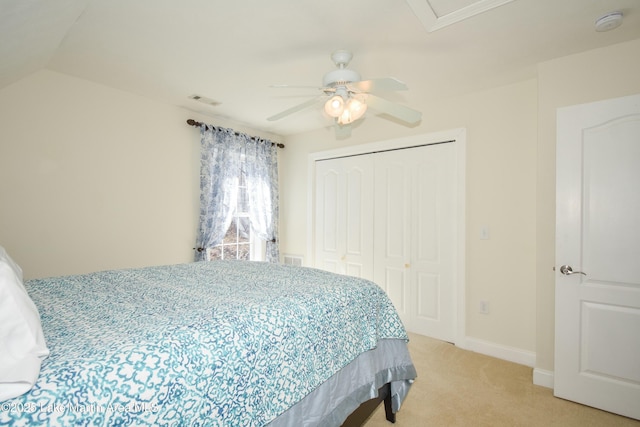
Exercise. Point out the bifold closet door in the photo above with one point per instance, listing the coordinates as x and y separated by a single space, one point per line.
344 216
390 217
414 232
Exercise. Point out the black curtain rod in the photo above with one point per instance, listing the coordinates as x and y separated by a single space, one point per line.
192 122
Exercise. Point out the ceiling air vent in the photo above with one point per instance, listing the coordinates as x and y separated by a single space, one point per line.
204 100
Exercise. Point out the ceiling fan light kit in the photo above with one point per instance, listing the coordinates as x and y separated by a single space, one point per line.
345 107
346 97
353 110
334 106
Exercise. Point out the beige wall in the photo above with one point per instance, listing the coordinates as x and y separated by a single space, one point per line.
510 187
501 165
93 178
591 76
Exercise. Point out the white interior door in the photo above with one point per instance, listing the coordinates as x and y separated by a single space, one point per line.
344 220
597 335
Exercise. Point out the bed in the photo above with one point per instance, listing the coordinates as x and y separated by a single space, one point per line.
222 343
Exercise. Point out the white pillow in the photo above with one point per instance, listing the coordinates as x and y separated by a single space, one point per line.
22 345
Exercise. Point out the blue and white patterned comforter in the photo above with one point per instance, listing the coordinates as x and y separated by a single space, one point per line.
208 343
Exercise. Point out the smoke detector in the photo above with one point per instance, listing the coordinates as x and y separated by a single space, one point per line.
609 21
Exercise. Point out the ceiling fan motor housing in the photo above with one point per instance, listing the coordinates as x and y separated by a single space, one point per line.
340 77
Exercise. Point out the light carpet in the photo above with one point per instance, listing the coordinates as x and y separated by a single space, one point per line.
457 387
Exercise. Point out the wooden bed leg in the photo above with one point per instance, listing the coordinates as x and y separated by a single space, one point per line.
391 417
364 411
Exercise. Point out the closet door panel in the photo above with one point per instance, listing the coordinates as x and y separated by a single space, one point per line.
358 222
328 227
426 244
426 214
344 221
392 228
330 211
395 285
354 269
354 202
433 234
394 188
428 290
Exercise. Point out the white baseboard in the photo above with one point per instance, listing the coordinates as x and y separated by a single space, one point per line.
543 378
522 357
511 354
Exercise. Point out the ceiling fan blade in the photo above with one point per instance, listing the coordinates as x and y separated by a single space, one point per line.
382 84
296 108
295 87
398 111
343 131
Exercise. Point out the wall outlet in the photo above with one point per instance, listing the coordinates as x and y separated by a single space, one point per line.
484 306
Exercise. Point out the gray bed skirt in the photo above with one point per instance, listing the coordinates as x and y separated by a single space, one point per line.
332 402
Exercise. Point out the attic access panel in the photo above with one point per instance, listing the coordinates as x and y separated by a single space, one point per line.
436 14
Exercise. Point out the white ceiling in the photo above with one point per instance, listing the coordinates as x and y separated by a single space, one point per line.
233 51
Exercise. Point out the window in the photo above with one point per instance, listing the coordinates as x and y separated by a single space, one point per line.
239 242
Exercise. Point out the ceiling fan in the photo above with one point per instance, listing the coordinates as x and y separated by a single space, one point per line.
346 97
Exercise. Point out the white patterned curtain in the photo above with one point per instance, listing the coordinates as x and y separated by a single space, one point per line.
261 163
222 152
220 157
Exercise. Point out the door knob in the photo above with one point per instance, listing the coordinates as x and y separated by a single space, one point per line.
568 271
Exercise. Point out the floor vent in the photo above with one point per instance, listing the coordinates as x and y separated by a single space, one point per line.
293 260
